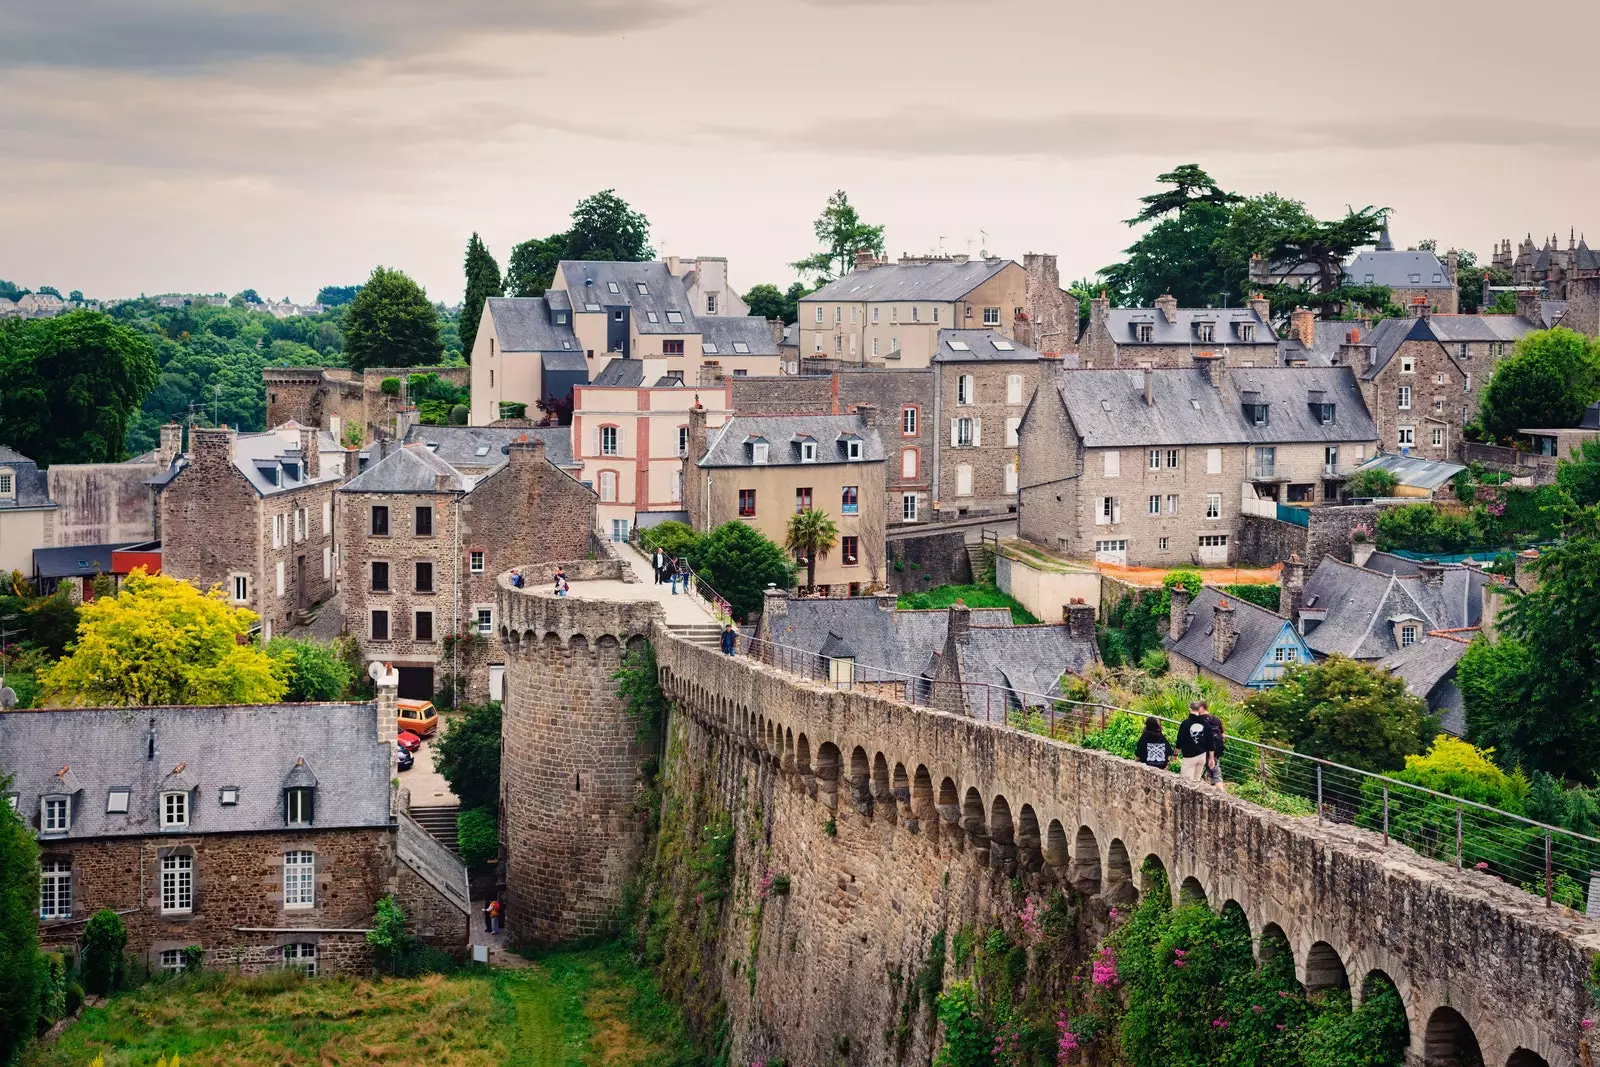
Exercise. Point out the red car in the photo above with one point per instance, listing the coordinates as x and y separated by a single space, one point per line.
408 741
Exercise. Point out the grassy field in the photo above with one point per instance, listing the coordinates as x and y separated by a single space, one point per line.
589 1008
973 596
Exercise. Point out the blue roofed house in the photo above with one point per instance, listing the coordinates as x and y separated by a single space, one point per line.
1242 645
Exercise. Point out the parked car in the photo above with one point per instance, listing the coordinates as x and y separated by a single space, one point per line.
418 716
408 741
403 758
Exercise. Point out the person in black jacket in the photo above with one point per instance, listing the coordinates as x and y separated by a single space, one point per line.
1195 742
1214 768
1153 748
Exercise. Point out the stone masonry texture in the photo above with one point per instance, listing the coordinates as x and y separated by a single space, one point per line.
932 815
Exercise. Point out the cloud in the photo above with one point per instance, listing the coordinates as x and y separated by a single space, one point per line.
182 36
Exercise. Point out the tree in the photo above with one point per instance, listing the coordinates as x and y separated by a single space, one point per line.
468 755
1191 186
104 939
76 296
69 386
533 264
811 535
50 290
842 234
391 324
388 936
11 290
1579 476
336 295
1325 246
766 301
1549 379
21 966
248 296
162 641
1371 482
477 836
1177 255
312 670
605 227
483 281
1346 712
1254 223
740 563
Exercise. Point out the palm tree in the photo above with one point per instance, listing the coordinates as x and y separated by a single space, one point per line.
812 535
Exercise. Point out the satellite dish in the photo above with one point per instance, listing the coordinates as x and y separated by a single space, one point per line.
376 671
8 697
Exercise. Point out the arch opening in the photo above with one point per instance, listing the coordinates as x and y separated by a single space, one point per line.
828 775
1085 869
972 820
1118 886
1153 877
949 805
1235 945
922 793
1191 891
860 781
1449 1041
1000 826
1030 855
881 792
802 755
1055 844
1324 969
1526 1057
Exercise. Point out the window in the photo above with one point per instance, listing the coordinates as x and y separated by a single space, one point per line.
672 348
172 960
741 348
174 809
916 313
964 390
425 522
117 801
241 587
1213 461
277 531
55 815
424 569
758 452
819 312
1172 503
963 433
1415 279
1408 365
850 549
475 562
423 628
1438 437
683 440
611 287
1118 547
1155 459
1247 332
1172 458
380 626
1205 332
1155 503
852 449
850 500
608 440
1163 543
874 346
1213 540
55 889
1408 636
380 521
838 315
485 620
908 422
5 484
301 954
675 316
228 796
1108 511
991 316
380 577
908 507
1013 424
177 886
747 503
808 451
1405 398
1285 655
608 486
1408 436
299 525
908 463
1213 505
327 517
297 807
802 499
1143 331
1113 464
644 290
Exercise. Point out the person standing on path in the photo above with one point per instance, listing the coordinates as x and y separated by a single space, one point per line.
494 915
659 562
730 640
488 917
1214 766
1153 748
1194 742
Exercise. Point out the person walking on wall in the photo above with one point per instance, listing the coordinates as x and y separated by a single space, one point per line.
659 562
672 575
730 640
1194 742
1214 765
516 578
1153 749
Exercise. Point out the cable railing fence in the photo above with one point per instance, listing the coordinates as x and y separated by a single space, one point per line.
1560 865
693 582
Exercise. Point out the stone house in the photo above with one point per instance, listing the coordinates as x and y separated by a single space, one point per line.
984 381
763 469
27 513
422 543
1414 278
893 313
254 514
1242 645
1157 467
1556 286
352 407
1168 336
475 450
1419 395
1006 672
261 836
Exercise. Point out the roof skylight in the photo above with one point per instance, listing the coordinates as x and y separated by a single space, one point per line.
674 316
1004 346
960 346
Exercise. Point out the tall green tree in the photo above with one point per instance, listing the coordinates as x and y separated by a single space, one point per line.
1347 712
842 234
1177 254
739 563
312 670
390 323
812 535
337 295
767 301
533 264
468 755
1324 246
604 226
70 385
21 966
1548 380
483 281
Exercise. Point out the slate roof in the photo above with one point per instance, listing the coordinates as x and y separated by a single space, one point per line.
460 446
726 331
1386 337
1394 269
1023 662
1428 669
1481 327
76 561
1184 329
621 373
980 346
1414 471
1550 312
1326 337
1258 630
256 453
886 643
943 280
411 469
1359 605
730 444
590 281
252 748
525 324
572 362
30 484
1108 408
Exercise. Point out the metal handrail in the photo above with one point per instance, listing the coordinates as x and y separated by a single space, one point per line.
716 603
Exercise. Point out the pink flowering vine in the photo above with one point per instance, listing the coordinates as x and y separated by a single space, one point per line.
1032 917
765 884
1105 968
1066 1040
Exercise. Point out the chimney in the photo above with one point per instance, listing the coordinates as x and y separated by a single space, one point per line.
309 455
171 443
1432 574
1262 307
1355 352
1080 619
1167 304
1293 589
960 622
672 266
774 609
1303 326
1213 364
1530 305
210 447
1419 308
1451 259
1099 310
697 431
404 419
1149 388
1224 630
1524 573
865 259
1178 614
867 413
387 680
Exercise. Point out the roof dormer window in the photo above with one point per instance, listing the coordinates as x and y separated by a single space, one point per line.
8 483
298 805
561 318
758 451
1247 331
852 448
1205 332
55 814
174 810
1143 331
808 451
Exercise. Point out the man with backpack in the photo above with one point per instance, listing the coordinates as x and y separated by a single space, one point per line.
1195 742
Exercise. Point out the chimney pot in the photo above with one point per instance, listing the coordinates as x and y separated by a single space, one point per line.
1224 630
1178 614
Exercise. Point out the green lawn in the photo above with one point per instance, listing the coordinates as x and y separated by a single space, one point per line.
973 596
586 1008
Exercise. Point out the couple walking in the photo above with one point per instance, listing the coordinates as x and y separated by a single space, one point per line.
1200 744
669 570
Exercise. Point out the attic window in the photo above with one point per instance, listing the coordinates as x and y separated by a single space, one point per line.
55 815
1105 405
174 810
1324 412
1143 331
644 290
708 347
740 347
1437 278
652 316
228 796
117 802
758 452
674 316
482 450
6 484
564 344
561 318
1205 332
1247 331
297 806
808 451
852 448
1366 279
960 346
1194 403
611 287
1004 346
1415 279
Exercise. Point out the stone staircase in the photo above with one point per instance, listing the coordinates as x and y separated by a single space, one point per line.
440 822
307 616
977 557
708 634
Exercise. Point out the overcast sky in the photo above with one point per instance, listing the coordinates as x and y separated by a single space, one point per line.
204 145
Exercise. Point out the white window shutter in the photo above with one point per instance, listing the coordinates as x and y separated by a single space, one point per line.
1116 510
977 432
953 438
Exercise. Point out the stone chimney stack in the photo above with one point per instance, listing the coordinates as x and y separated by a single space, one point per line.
1167 304
865 260
1080 619
960 622
1523 574
1262 307
1303 326
868 414
1149 388
210 448
387 681
1293 589
1419 308
309 453
1451 259
1214 366
1224 630
1432 574
1099 311
1178 614
1530 305
171 443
